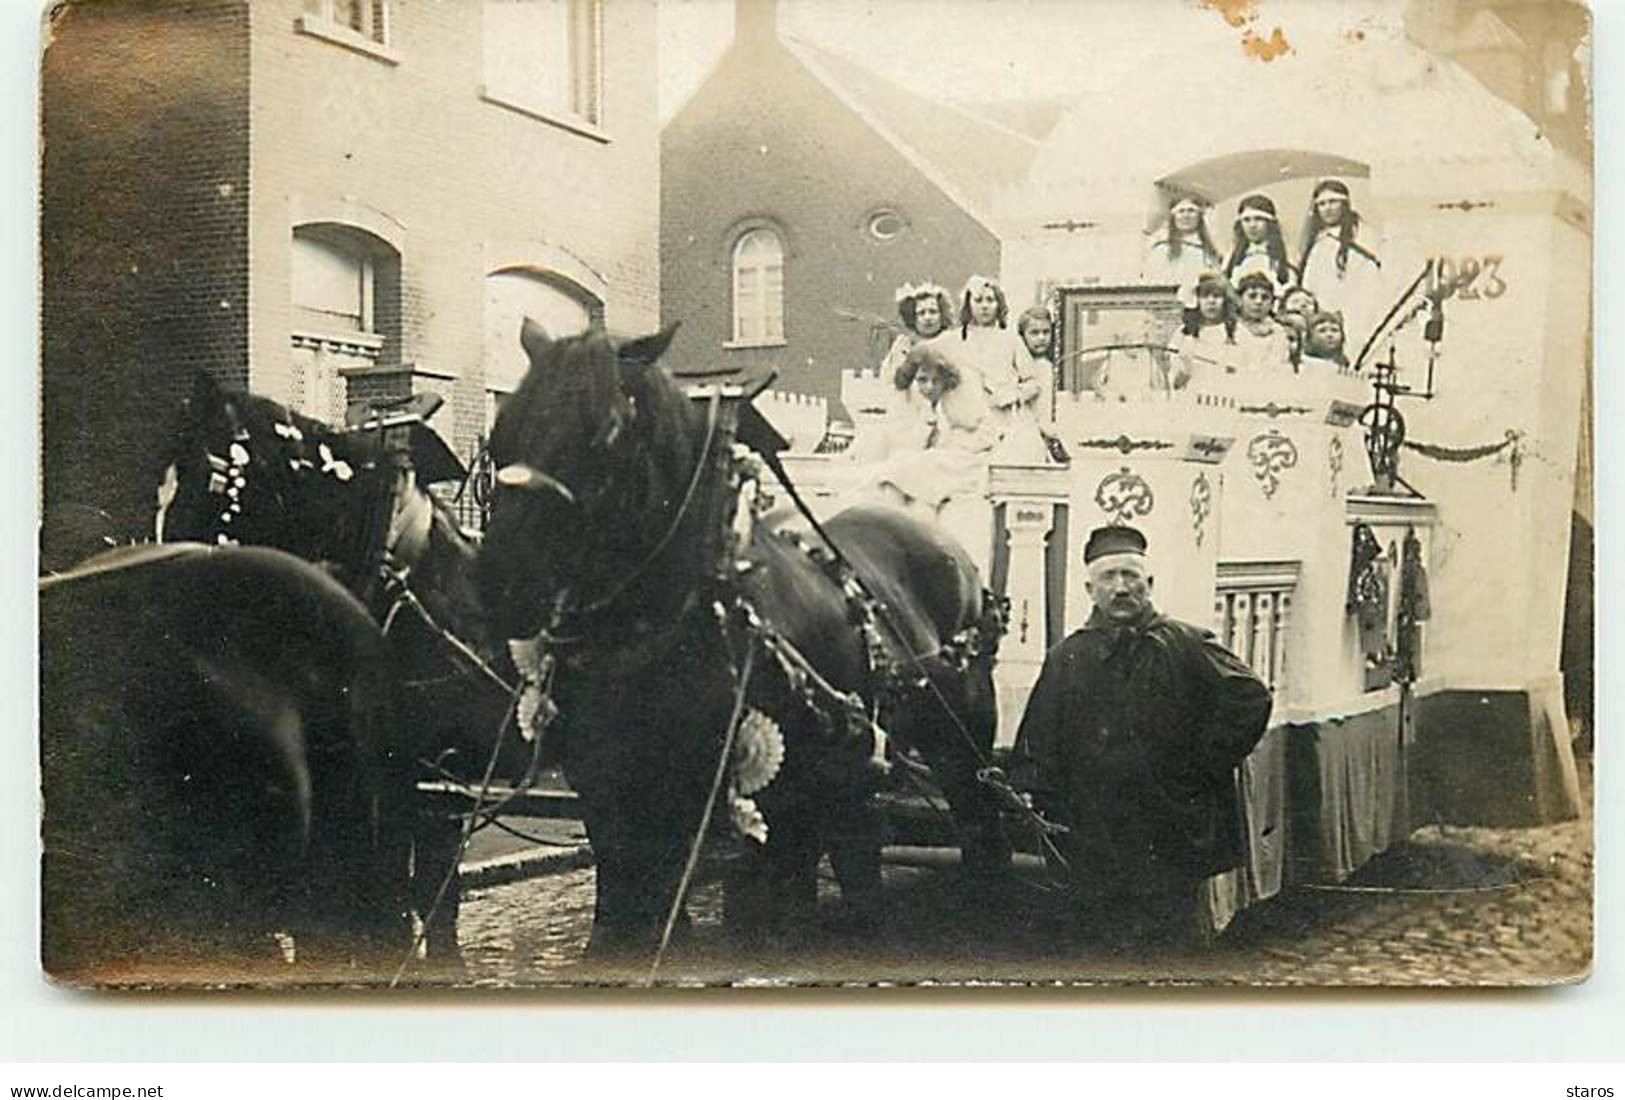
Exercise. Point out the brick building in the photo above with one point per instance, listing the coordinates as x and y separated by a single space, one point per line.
798 190
325 199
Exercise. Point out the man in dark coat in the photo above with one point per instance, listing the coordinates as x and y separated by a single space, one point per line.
1131 739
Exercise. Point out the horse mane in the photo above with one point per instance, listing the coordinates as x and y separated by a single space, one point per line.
585 381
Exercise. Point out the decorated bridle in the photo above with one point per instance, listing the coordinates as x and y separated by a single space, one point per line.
400 543
565 624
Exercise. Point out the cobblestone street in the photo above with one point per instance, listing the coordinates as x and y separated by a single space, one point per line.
1456 906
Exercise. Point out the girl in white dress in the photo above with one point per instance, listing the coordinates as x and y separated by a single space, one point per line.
925 310
1206 344
1259 245
1337 267
1036 327
1183 248
1262 342
944 439
988 353
1323 344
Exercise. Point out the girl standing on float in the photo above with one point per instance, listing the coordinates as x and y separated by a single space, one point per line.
988 353
1262 343
1259 245
1338 269
925 310
1183 248
1206 344
1036 327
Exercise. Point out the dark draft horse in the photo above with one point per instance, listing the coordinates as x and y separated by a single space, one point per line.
244 469
213 728
614 496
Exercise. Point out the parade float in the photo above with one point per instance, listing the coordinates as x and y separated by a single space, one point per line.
1385 545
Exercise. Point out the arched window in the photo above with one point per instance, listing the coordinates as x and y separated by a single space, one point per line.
560 306
346 313
758 278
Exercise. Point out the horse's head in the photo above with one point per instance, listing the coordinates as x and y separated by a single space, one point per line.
587 450
244 469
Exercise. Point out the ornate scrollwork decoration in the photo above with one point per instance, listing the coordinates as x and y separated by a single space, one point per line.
1270 453
1201 505
1272 410
1334 464
1124 495
1127 445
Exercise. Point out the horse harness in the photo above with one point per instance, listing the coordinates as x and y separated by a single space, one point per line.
753 738
380 554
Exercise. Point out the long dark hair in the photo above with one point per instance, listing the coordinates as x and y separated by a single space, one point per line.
966 320
921 357
1274 244
1347 230
906 307
1176 243
1191 319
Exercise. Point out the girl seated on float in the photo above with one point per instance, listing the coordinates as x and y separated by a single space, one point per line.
1206 344
938 467
1323 343
1259 246
1296 326
1262 342
988 354
1297 302
1037 331
1183 248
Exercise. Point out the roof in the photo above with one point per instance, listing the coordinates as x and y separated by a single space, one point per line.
1034 118
969 156
1418 115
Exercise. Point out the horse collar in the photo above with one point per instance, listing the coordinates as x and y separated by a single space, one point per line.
622 656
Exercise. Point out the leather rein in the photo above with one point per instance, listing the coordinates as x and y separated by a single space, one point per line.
567 613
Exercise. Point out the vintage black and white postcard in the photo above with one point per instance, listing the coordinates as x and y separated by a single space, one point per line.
816 492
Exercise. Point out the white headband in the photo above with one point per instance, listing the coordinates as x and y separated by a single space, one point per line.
924 290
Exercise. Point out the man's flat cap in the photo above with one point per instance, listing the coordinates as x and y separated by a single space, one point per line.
1112 539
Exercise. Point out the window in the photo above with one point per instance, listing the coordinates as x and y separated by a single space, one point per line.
332 287
345 289
885 225
367 18
758 280
545 56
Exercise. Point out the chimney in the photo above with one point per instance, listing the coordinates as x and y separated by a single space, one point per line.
756 21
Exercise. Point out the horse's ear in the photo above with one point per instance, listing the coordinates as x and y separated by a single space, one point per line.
205 390
646 350
535 340
206 401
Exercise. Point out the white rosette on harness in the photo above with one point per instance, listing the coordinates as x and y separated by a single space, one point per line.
536 708
758 755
